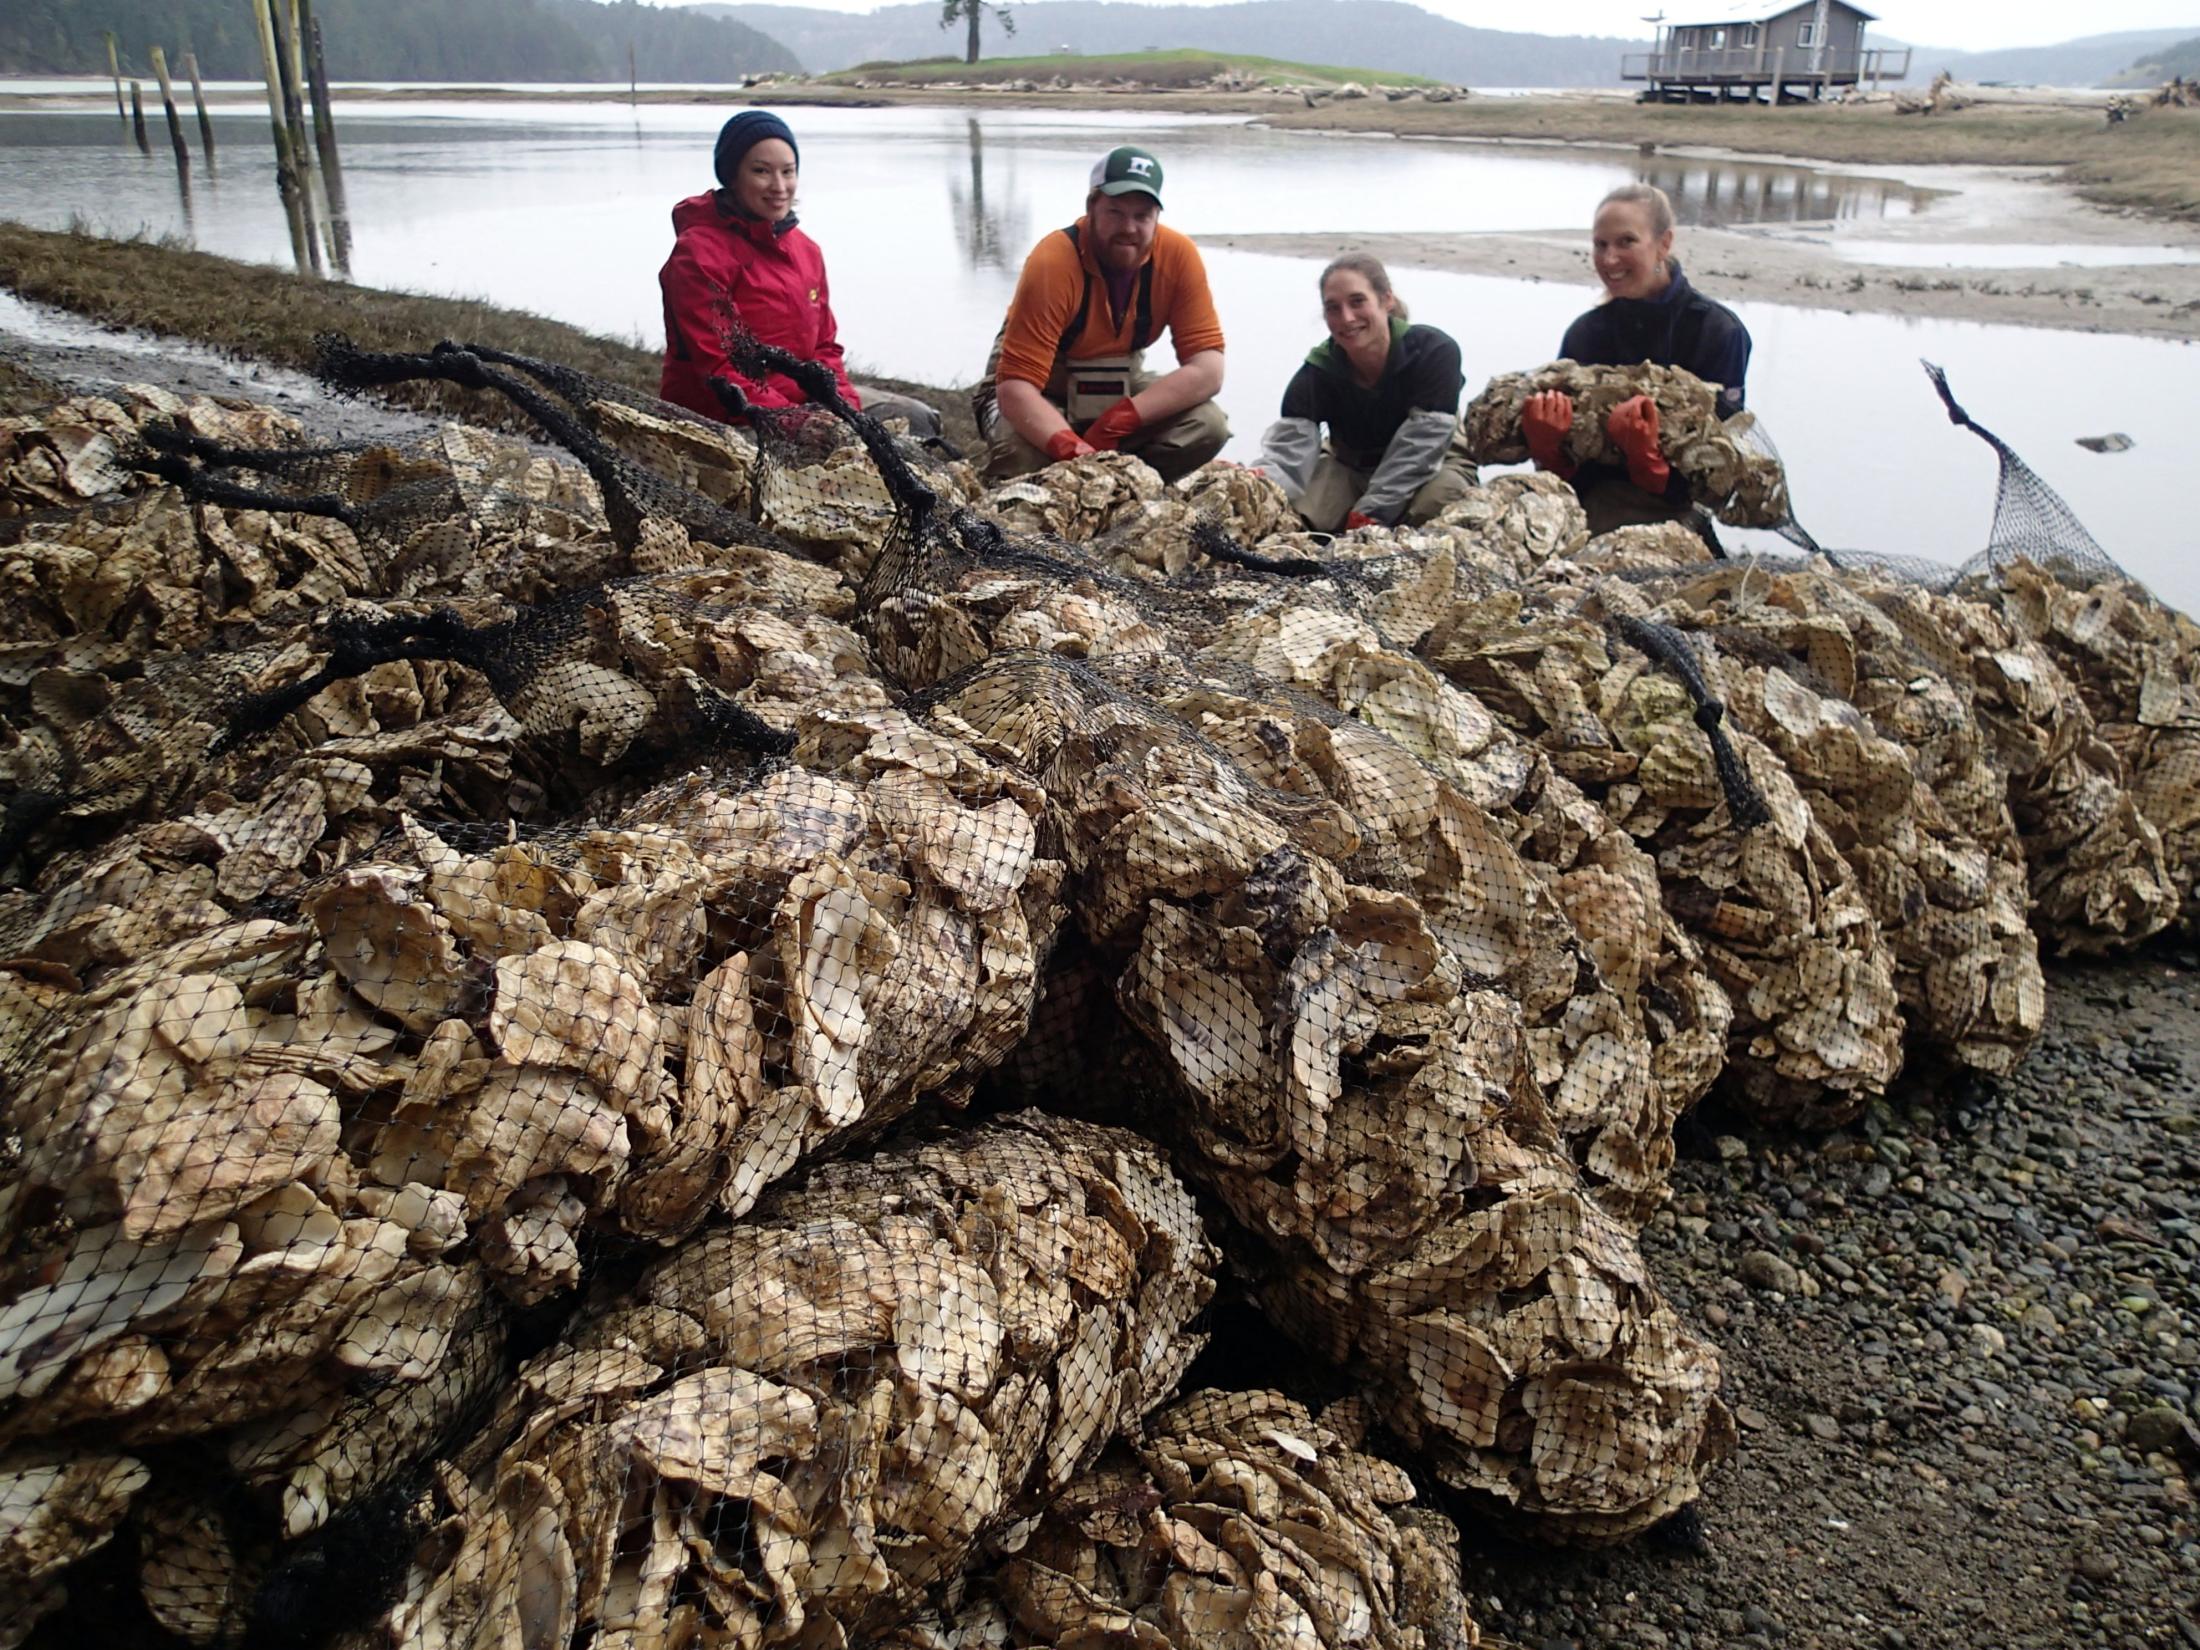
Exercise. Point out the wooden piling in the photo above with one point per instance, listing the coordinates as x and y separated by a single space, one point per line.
302 246
137 117
293 59
114 67
324 138
631 98
285 171
168 108
198 97
1779 68
324 113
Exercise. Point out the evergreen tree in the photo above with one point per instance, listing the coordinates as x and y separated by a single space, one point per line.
970 12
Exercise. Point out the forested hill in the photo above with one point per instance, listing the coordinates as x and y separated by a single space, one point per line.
2090 60
2180 59
482 40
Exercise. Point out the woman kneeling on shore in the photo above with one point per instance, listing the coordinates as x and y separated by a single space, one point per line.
740 260
1650 313
1388 393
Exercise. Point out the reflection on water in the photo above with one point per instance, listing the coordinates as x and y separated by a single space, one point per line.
925 216
990 236
1721 194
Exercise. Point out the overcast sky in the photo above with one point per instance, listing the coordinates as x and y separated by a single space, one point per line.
1968 25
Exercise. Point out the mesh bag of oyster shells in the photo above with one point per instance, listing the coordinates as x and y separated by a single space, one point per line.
2135 663
1897 772
1233 1518
1735 476
807 479
1326 1007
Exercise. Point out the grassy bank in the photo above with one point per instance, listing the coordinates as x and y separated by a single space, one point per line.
266 314
2149 164
1181 69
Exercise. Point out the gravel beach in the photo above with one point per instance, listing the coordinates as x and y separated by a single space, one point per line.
1962 1339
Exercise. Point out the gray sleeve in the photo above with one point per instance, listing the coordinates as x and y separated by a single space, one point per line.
1289 449
1411 458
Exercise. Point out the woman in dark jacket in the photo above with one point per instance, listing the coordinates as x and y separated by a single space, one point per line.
739 259
1650 314
1388 394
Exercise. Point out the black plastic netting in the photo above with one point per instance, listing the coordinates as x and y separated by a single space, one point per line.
718 1044
2031 521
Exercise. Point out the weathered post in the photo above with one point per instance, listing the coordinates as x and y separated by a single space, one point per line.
168 108
285 170
137 117
198 97
290 58
631 95
324 137
302 247
1779 62
114 67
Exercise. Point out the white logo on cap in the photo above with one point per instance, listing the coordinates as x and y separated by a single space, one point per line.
1140 166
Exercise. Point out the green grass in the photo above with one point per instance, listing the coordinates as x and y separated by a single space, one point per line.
1183 66
267 314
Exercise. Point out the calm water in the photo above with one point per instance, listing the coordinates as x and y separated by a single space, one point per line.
926 214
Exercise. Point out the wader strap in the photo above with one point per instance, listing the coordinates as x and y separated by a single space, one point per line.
1142 323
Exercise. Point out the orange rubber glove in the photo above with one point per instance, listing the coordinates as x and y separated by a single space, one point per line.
1358 519
1633 428
1106 432
1067 443
1546 421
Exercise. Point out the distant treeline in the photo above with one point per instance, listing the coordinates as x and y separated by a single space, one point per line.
481 40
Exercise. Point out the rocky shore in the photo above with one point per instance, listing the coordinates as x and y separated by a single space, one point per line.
1962 1340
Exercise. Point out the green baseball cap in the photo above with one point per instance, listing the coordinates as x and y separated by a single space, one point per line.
1128 171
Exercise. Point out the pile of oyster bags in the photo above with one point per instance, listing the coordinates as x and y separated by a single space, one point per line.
725 1040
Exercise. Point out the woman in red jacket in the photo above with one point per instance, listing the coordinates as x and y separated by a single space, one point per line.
739 259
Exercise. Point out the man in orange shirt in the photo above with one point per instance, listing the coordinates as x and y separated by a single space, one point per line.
1067 375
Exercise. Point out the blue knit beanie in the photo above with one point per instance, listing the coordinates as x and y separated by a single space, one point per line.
743 133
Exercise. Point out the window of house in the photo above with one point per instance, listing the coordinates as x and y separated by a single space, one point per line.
1807 36
1718 40
1749 35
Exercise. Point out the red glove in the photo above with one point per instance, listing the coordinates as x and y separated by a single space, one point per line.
1359 519
1067 443
1633 428
1546 421
1106 432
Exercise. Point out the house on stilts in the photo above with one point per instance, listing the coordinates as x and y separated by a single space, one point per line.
1813 49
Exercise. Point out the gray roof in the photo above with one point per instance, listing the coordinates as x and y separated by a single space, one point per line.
1749 11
